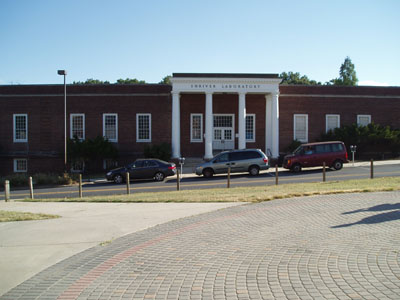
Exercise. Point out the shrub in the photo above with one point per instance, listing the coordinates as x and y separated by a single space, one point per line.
22 180
162 151
293 146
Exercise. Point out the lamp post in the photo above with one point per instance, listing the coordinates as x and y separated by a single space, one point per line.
64 73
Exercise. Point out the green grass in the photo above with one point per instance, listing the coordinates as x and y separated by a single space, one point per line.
11 216
248 194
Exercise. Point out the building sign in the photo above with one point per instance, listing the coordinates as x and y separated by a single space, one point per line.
225 86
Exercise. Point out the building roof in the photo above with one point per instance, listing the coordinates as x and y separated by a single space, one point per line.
224 75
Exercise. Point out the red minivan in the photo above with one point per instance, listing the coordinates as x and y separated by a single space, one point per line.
334 154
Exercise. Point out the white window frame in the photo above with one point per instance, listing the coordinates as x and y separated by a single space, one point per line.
16 165
294 128
116 126
193 140
326 121
253 140
71 125
137 128
363 116
14 128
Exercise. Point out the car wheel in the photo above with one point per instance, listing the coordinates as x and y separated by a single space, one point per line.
159 176
338 164
118 178
207 173
254 170
296 168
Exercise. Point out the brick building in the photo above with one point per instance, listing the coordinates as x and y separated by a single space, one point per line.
198 115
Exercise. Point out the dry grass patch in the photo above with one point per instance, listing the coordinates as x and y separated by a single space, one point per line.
11 216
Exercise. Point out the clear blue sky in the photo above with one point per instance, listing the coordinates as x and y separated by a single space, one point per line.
148 39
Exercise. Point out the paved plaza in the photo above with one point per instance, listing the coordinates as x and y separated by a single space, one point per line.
344 246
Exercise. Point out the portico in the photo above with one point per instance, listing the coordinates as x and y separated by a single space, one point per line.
220 128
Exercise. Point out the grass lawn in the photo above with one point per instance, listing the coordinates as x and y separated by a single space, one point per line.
248 194
10 216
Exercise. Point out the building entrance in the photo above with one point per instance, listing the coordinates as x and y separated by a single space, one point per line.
223 132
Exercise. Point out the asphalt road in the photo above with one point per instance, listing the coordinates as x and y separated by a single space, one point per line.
102 187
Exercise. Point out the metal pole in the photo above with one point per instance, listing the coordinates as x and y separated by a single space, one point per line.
31 187
65 124
229 178
7 190
372 168
276 175
128 187
177 180
80 185
324 172
353 157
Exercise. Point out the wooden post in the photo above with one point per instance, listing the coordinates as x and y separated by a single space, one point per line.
323 172
276 175
177 180
372 168
128 186
31 187
229 178
80 185
7 190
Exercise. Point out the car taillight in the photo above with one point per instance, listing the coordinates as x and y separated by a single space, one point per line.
172 168
265 160
347 157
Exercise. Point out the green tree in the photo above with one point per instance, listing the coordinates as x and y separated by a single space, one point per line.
347 74
91 81
296 78
130 81
166 80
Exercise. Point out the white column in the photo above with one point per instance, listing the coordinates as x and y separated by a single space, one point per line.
275 125
242 121
176 126
268 123
209 127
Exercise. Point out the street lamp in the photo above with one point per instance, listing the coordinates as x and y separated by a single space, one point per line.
64 73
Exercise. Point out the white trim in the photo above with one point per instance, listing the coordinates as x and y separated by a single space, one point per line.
192 140
326 121
294 127
363 116
253 140
233 125
16 165
71 125
137 128
25 140
116 126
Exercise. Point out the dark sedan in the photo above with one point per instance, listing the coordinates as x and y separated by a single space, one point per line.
143 169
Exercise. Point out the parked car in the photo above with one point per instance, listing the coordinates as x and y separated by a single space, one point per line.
247 160
143 169
334 154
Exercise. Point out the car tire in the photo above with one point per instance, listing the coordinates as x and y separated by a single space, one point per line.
208 173
159 176
296 168
254 170
338 164
118 178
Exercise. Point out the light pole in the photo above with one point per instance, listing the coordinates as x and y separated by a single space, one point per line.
64 73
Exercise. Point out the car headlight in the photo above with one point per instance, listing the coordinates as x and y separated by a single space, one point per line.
109 173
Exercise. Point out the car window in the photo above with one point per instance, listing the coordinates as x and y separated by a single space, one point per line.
324 148
308 150
337 147
236 155
299 151
151 163
221 158
138 164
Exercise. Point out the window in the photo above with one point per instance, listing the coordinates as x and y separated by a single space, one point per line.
223 121
196 127
363 120
20 128
300 123
250 128
77 166
143 127
110 127
77 127
332 122
20 165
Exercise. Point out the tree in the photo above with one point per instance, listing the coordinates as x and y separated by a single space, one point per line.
91 81
130 81
296 78
166 80
347 74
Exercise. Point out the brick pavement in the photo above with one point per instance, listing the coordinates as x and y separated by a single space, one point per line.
324 247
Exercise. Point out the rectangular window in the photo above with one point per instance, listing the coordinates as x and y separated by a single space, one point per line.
77 166
110 127
332 122
77 126
20 128
363 120
143 127
196 127
20 165
250 128
300 130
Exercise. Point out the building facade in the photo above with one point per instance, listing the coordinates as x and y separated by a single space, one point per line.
199 115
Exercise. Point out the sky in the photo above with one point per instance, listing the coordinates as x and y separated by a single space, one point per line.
149 39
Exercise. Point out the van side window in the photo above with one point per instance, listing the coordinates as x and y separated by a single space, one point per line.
337 147
236 156
325 148
222 158
308 150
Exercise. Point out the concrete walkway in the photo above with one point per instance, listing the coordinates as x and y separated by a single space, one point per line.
343 246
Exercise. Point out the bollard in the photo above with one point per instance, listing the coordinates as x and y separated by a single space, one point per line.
229 178
372 168
177 180
323 172
80 185
31 187
128 186
7 190
276 175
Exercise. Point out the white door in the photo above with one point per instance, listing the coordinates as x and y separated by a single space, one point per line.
223 137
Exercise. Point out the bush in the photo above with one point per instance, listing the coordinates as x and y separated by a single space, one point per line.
293 146
22 180
162 151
